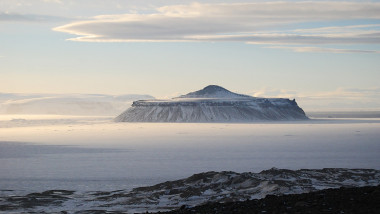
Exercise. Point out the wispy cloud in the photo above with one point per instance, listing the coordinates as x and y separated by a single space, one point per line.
352 93
16 17
245 22
53 1
341 98
323 50
340 29
290 38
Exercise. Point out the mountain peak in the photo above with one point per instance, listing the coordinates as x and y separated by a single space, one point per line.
213 91
214 87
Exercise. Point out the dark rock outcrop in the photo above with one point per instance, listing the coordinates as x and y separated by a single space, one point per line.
343 200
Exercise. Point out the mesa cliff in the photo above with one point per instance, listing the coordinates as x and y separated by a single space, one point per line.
212 104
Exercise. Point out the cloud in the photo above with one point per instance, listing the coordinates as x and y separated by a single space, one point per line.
323 50
339 99
275 93
290 38
53 1
351 93
254 23
16 17
66 104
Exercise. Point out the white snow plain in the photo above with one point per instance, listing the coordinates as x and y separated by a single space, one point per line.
40 153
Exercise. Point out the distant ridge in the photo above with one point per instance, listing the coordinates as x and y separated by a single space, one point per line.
212 104
66 104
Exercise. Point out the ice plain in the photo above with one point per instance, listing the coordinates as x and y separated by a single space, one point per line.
39 153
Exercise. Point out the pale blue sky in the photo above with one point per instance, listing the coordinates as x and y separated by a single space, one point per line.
146 48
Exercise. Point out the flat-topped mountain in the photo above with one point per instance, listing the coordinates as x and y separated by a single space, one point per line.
212 104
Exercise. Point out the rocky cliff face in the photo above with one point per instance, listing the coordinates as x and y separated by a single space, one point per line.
212 104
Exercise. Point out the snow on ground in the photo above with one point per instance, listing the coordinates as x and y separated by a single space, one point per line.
195 190
83 153
95 154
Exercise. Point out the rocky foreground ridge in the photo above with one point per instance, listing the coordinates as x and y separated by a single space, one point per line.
358 200
208 187
212 104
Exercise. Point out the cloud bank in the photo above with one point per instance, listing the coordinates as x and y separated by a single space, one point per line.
260 23
67 104
339 99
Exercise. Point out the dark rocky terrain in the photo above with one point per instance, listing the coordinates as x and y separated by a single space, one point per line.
342 200
274 191
32 200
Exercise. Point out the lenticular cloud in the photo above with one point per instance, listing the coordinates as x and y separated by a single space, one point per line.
255 23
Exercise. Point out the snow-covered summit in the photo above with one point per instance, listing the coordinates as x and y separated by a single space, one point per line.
213 91
212 104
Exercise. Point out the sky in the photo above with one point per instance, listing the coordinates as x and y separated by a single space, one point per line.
326 54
